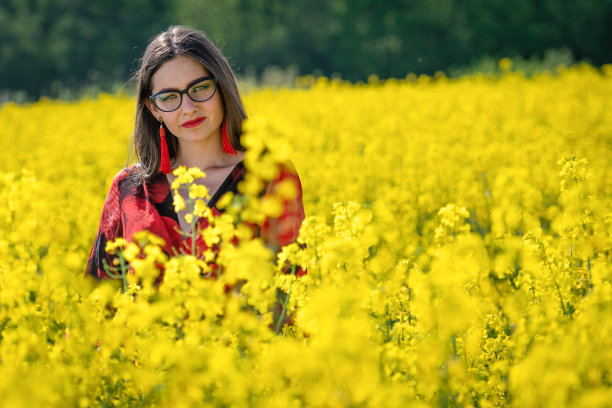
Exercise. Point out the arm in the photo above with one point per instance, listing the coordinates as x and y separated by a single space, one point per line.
280 231
111 227
284 229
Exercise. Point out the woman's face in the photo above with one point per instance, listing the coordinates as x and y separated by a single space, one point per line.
192 122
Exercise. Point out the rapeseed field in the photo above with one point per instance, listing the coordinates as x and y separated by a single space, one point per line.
458 249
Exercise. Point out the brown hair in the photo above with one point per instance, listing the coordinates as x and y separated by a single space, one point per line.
175 41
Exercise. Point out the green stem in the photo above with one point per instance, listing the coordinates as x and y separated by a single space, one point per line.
192 233
565 312
123 272
279 323
319 263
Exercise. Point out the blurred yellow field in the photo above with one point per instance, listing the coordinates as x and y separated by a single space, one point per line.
458 243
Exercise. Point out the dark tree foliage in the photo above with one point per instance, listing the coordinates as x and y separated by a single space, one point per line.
355 38
49 44
46 44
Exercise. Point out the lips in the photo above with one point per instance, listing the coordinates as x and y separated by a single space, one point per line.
193 123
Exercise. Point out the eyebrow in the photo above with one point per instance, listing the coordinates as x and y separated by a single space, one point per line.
195 81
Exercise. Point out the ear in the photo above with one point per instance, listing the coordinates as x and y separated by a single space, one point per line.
154 111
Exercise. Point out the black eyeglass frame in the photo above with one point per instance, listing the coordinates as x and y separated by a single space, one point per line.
183 92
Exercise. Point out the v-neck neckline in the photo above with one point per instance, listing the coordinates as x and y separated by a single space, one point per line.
215 197
220 190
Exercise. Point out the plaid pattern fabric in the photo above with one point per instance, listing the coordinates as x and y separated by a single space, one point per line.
130 208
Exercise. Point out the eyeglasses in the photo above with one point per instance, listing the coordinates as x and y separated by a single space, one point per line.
200 90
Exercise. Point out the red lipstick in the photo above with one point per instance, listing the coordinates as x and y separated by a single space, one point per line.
193 123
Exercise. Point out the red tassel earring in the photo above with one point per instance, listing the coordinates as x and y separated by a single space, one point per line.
227 146
164 165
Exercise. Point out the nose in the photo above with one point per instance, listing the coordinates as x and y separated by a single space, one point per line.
186 103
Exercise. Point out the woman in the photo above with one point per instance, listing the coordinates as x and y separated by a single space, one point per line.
189 113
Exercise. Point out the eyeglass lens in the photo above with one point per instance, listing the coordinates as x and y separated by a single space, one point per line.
199 92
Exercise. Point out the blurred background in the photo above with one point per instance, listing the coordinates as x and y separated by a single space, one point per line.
70 48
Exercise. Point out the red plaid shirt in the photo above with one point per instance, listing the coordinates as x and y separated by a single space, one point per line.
130 208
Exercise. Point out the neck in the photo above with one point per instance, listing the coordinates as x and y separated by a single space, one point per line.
203 154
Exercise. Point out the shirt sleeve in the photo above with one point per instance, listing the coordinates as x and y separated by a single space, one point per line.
284 229
111 227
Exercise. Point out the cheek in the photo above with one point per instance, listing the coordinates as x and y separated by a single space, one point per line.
171 122
221 111
218 103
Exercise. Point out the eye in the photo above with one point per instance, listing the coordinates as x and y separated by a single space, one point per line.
202 86
167 97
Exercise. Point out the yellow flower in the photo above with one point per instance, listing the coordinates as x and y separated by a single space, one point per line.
198 191
179 203
453 252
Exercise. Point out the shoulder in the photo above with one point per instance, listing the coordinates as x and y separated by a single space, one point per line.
286 179
287 167
286 170
130 174
126 182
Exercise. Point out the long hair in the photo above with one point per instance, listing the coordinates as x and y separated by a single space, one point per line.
175 41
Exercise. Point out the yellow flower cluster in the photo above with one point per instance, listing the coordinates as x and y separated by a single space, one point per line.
458 249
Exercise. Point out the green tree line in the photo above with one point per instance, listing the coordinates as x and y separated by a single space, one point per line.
50 45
